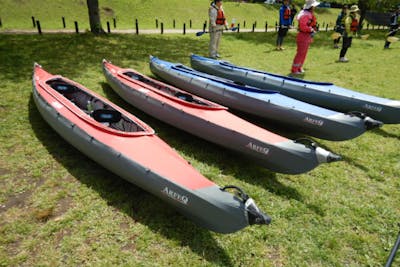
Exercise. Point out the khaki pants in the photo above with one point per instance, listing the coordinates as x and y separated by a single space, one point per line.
215 36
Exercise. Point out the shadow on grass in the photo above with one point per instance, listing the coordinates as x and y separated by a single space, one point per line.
354 163
126 197
72 54
321 39
384 133
230 163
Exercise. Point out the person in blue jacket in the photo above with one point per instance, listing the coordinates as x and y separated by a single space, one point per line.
285 22
394 25
339 27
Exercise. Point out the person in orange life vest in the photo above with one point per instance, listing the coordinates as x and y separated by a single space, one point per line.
394 25
285 22
218 23
307 29
350 29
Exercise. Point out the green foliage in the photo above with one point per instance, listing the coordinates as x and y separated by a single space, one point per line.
17 15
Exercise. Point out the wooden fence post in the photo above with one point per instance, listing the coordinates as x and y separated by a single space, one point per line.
162 28
38 27
63 21
76 27
184 28
108 27
173 24
115 23
137 26
266 26
33 22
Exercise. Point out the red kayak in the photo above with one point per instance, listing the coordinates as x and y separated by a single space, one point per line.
128 147
214 123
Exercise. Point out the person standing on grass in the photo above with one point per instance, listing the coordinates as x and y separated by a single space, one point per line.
350 30
218 23
285 22
394 25
339 27
293 12
307 28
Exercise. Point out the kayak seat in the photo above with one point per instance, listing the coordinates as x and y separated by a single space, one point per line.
106 115
115 120
185 97
80 98
62 87
133 75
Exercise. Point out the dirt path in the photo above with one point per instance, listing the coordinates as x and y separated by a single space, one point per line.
129 31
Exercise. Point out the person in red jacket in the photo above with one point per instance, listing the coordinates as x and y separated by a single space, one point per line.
307 28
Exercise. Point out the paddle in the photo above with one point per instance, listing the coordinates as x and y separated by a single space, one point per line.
393 251
335 35
393 31
392 39
203 32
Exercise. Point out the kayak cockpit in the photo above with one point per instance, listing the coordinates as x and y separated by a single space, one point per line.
233 84
97 109
189 98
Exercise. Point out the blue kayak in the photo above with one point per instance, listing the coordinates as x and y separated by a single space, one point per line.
300 116
322 94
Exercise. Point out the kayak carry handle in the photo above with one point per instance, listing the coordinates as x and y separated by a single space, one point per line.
370 123
306 142
323 155
255 215
239 193
357 114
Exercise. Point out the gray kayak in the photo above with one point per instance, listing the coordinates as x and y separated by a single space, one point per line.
123 144
300 116
323 94
214 123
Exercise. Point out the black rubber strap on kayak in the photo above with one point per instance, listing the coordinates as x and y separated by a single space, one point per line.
307 142
239 192
358 114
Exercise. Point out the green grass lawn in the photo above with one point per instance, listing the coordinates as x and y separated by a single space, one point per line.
59 208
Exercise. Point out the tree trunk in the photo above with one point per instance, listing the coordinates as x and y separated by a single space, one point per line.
94 16
364 7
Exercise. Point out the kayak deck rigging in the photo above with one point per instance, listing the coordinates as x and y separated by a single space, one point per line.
94 107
